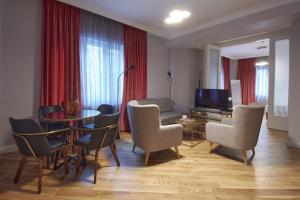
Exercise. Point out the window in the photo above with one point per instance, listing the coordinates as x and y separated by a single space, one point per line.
262 84
101 63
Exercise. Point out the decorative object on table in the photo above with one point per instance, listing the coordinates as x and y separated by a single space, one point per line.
147 132
102 135
241 134
32 141
192 127
73 106
131 67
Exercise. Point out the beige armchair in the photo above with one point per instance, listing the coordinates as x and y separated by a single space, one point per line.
147 131
241 133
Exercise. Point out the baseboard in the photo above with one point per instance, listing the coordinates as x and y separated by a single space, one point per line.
8 148
294 144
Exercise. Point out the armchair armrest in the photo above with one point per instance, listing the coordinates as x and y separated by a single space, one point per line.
226 120
45 133
220 133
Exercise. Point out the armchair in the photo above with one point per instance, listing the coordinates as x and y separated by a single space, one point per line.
241 133
102 135
32 141
147 131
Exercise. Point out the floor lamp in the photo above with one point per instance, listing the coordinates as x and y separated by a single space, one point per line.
171 80
131 67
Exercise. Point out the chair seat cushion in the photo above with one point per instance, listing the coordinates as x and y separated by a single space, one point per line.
83 141
57 143
89 126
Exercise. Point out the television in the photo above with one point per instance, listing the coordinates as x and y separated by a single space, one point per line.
212 98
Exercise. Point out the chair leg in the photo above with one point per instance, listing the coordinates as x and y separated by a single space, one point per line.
40 175
177 152
48 162
133 148
83 156
66 165
79 150
96 166
253 151
20 169
113 150
147 158
245 157
56 156
211 145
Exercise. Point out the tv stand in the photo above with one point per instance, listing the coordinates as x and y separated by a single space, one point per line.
204 114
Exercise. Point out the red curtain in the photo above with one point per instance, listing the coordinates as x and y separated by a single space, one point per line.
135 80
226 71
247 75
60 80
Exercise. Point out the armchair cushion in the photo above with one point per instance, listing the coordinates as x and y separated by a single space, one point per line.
83 141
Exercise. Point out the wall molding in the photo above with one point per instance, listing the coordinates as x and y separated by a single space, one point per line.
8 149
293 144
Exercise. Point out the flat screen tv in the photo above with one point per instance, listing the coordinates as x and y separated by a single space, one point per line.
212 98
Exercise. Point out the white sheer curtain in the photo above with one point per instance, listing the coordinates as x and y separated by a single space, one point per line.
262 84
101 60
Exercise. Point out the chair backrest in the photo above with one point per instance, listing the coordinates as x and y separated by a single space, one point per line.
106 109
104 137
43 110
247 123
145 123
29 145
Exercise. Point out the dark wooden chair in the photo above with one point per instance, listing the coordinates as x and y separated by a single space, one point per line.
102 135
32 141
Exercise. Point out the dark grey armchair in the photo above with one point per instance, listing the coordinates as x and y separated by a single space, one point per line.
102 135
32 141
104 109
51 126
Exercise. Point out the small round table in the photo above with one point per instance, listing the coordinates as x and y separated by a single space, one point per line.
192 126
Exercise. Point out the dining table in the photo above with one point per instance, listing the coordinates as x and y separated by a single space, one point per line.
73 119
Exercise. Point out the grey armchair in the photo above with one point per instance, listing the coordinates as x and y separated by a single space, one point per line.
147 131
241 133
51 126
32 141
102 135
104 109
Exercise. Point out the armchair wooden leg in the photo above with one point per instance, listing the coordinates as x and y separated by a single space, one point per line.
113 150
48 162
66 165
253 151
96 166
40 175
79 150
177 152
133 148
20 169
245 157
211 145
56 156
147 158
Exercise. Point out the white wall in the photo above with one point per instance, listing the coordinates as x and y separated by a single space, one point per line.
294 83
20 66
185 68
233 69
158 84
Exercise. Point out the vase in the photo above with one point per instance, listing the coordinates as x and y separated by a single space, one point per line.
73 107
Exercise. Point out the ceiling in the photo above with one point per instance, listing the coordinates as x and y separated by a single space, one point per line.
247 50
207 20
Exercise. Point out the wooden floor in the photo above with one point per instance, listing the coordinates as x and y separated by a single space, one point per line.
273 173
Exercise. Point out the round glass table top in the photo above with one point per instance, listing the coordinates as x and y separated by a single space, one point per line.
65 116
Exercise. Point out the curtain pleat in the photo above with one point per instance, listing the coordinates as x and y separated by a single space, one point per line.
226 72
135 80
247 77
101 60
60 78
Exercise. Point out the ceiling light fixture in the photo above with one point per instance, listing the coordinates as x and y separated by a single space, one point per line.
261 64
177 16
